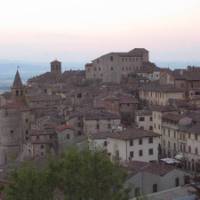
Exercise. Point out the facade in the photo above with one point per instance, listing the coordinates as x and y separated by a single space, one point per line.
160 94
147 178
65 136
157 113
180 137
113 66
143 120
98 122
15 120
133 144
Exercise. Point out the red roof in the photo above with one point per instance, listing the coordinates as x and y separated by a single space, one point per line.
63 127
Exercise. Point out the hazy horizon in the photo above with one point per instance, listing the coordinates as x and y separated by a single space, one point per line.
29 69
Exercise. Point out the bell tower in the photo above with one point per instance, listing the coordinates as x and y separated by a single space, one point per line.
56 67
17 87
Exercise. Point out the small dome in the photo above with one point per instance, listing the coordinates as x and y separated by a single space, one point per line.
186 121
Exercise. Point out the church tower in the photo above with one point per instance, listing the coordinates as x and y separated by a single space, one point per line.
17 87
56 67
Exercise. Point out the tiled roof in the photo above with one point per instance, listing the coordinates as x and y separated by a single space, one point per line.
101 135
132 133
162 108
153 168
161 88
63 127
186 75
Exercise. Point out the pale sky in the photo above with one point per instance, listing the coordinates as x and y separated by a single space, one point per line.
80 30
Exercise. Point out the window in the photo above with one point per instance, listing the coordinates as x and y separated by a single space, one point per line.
109 126
68 136
141 119
174 134
150 118
130 142
105 143
42 146
155 187
131 154
174 146
150 151
196 137
11 131
177 182
97 127
137 192
150 128
150 140
111 68
79 133
79 124
111 58
79 95
140 141
168 144
140 153
196 151
189 149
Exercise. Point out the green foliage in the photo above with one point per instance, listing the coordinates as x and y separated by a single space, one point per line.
78 175
29 183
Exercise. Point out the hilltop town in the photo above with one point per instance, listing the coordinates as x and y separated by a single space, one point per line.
145 117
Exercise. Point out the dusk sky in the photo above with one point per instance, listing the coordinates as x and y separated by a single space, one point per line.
80 30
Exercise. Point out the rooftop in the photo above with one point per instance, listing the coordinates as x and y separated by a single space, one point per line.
132 133
135 167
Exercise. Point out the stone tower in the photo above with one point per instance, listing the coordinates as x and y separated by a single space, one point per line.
17 88
14 123
56 67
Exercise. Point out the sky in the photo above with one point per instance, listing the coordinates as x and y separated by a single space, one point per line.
81 30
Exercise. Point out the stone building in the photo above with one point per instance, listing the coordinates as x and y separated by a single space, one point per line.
155 94
180 137
133 144
56 67
143 120
113 66
15 120
147 178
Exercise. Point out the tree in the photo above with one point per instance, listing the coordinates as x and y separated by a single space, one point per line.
29 183
75 175
88 175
